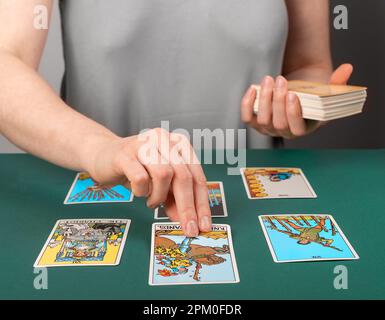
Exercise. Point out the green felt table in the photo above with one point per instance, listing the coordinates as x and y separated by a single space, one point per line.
350 185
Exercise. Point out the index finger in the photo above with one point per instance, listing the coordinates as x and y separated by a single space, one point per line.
202 206
183 190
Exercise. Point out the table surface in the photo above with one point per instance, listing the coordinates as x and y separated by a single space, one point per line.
349 184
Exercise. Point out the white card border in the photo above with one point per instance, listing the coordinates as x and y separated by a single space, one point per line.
314 195
88 202
224 204
272 252
233 260
156 215
118 257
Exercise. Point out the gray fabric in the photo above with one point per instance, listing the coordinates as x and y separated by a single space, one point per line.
132 63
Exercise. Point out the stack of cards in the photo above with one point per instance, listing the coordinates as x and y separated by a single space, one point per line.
177 259
325 102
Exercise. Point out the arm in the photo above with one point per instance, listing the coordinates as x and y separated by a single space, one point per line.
34 118
307 57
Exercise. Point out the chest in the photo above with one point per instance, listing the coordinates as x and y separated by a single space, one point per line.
252 24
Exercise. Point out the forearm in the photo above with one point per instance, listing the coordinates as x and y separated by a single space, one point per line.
311 73
34 118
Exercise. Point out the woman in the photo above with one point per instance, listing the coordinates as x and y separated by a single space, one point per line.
132 63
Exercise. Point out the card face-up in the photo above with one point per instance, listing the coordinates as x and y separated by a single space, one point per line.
177 259
85 190
275 183
294 238
217 201
84 242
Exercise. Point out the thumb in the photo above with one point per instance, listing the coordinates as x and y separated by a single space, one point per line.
342 74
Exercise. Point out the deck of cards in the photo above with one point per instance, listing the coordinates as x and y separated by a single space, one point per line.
325 102
208 258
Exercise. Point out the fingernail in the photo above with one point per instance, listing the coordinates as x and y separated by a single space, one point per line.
280 82
192 229
265 80
205 223
249 91
291 97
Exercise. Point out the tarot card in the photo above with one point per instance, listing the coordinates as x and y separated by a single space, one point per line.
294 238
160 213
323 90
274 183
217 202
84 242
177 259
85 190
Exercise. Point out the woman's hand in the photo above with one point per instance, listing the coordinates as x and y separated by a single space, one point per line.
160 166
279 111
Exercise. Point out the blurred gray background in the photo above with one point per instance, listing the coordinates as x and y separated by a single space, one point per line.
363 45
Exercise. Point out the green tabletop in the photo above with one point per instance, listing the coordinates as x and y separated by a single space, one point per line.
350 185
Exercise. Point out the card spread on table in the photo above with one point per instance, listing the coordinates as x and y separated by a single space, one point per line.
84 242
294 238
217 202
176 259
86 190
272 183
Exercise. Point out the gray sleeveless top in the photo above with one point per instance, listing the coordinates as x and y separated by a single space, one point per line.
132 63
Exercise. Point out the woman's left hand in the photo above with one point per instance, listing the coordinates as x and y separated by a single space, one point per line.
279 111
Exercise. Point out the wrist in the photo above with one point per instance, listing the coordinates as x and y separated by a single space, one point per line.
96 147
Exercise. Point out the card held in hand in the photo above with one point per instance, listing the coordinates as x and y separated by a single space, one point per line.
324 102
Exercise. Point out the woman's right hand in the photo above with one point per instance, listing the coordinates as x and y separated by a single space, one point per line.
161 166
